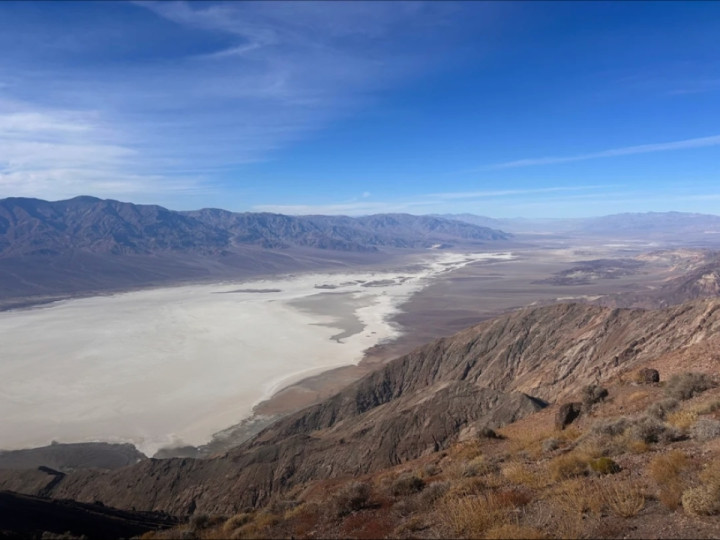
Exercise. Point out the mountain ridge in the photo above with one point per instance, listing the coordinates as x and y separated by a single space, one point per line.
486 376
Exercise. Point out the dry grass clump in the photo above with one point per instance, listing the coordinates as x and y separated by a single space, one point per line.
512 531
351 497
707 407
660 409
624 498
666 470
568 466
235 522
471 517
575 498
686 385
701 501
682 419
705 429
478 466
521 474
704 500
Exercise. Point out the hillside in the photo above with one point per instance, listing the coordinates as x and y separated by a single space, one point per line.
487 376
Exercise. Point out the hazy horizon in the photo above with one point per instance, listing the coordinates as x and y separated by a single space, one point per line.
502 109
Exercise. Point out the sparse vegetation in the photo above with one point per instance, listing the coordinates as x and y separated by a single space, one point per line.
591 395
624 498
686 385
568 466
660 409
407 484
351 497
705 429
666 470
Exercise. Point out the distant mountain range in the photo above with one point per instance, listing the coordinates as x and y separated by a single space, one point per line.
87 244
37 227
667 225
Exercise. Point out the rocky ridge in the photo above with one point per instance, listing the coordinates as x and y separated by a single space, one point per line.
486 376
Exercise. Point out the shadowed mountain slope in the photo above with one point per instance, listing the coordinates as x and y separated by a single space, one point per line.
488 375
90 245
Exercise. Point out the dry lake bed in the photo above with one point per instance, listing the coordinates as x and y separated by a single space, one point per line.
172 366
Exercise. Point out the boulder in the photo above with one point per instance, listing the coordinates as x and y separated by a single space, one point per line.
648 376
566 414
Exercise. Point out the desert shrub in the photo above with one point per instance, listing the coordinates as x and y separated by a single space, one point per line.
610 428
550 444
705 429
651 430
568 466
686 385
351 497
476 467
488 433
407 484
430 469
701 501
591 395
624 498
433 492
666 470
660 409
604 465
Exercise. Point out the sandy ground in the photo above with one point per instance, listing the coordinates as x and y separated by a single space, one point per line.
172 366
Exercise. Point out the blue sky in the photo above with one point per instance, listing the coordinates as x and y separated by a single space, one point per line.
502 109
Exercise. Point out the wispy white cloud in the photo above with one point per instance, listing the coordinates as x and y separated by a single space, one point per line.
700 142
512 192
432 202
258 76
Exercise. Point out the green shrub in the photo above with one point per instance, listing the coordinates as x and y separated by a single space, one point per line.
604 465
